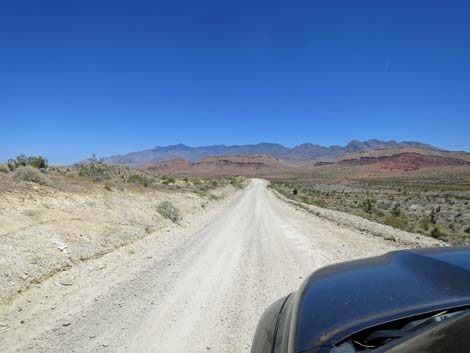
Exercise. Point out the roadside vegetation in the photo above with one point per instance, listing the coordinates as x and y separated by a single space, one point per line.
36 169
436 204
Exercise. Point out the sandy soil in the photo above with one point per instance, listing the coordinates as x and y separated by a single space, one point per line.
193 288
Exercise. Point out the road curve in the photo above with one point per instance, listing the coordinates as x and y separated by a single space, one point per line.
207 292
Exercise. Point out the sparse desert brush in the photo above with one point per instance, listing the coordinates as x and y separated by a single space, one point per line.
4 168
167 210
412 202
139 180
28 173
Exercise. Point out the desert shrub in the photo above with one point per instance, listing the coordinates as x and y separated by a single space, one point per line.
397 222
138 179
96 169
467 230
295 192
368 205
167 210
439 234
320 203
425 223
28 173
396 210
38 162
237 182
4 168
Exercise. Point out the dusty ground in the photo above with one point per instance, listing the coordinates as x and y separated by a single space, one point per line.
194 288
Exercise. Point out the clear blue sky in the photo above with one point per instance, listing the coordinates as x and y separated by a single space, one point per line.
111 77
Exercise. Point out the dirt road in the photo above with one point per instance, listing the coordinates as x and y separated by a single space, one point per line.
196 289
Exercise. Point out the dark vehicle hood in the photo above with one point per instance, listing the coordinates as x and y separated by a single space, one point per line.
341 299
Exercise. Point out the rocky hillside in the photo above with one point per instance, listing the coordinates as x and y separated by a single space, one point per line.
303 152
220 165
405 161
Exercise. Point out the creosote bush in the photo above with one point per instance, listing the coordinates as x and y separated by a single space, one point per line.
29 173
167 210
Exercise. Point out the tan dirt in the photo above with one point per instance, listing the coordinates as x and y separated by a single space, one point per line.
193 288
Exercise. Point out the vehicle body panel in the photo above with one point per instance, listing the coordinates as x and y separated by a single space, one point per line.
339 300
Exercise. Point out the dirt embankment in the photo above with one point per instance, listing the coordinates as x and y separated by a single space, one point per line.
46 229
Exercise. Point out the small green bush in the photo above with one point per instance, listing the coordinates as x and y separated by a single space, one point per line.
28 173
398 222
368 205
439 234
95 170
167 210
139 180
396 210
237 182
425 223
320 203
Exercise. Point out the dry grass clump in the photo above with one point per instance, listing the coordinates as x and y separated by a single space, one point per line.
28 173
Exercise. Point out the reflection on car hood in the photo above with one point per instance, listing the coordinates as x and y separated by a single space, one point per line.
341 299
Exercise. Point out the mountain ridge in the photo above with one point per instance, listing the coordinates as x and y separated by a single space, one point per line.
301 152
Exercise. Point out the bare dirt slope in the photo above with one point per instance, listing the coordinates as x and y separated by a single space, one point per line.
195 288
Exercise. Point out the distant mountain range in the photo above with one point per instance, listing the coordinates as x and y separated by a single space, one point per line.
303 152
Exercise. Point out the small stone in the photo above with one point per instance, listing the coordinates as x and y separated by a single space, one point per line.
22 276
66 324
105 344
